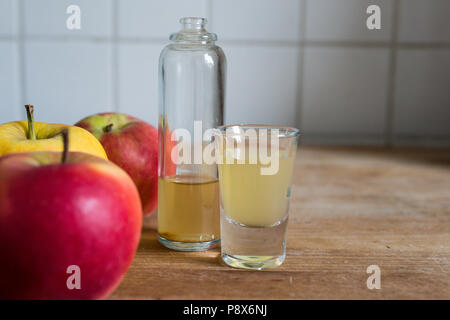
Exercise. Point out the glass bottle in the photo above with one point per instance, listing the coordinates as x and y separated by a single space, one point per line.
191 102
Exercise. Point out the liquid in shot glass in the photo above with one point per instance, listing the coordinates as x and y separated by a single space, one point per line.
255 166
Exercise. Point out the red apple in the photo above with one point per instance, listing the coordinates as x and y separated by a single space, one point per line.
169 156
80 211
132 144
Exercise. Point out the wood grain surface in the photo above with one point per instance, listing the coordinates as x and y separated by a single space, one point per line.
350 208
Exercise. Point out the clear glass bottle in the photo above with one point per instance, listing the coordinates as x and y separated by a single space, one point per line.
191 102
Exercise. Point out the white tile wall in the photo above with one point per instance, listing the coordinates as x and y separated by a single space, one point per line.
424 21
308 63
256 19
261 85
346 20
67 81
48 17
422 100
156 18
345 91
8 14
9 82
138 80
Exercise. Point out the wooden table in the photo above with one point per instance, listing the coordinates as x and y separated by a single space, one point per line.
350 208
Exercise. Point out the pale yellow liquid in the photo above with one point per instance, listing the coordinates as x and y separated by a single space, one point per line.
256 200
188 208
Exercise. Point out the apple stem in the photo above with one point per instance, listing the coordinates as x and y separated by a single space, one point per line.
65 135
31 131
108 128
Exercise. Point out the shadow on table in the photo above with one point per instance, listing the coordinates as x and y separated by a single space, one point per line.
150 244
150 223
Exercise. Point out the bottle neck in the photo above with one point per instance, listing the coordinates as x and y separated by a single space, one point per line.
193 24
193 32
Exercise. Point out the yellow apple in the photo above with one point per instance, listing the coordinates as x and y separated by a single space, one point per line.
29 136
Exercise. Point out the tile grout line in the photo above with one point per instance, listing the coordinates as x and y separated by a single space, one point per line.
114 43
390 103
209 11
21 53
268 43
301 65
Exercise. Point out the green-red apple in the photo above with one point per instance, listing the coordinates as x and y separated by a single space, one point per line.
132 144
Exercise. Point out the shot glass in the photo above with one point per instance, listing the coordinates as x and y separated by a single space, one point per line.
255 164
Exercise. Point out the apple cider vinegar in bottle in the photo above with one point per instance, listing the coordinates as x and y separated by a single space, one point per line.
191 103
